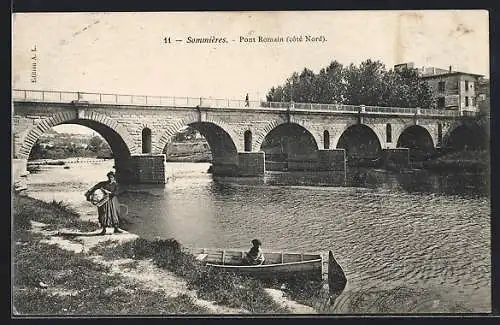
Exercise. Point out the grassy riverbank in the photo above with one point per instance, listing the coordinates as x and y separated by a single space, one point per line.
52 280
223 288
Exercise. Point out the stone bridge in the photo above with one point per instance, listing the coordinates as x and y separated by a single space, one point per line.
246 137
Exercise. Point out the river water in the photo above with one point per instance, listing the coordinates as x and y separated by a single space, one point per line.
386 229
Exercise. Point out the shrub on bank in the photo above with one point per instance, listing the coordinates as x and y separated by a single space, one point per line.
55 214
305 291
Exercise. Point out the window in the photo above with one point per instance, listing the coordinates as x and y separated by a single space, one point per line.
466 84
440 133
388 133
472 101
248 140
326 139
471 85
441 102
146 140
441 86
466 101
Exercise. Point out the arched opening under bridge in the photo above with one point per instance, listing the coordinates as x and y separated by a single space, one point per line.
290 146
361 144
203 142
69 143
418 140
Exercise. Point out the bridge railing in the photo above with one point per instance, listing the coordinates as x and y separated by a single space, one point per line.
117 99
325 107
469 113
275 104
441 112
398 110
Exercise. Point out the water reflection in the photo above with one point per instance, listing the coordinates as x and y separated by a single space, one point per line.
409 180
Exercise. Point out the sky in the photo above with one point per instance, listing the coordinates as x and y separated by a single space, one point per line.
125 53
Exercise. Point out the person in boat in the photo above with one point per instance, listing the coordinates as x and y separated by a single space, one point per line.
108 213
254 255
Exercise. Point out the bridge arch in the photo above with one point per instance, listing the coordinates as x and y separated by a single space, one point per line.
117 136
463 135
360 141
264 132
220 138
418 140
289 142
191 120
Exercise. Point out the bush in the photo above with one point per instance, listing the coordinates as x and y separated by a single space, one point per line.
55 214
62 208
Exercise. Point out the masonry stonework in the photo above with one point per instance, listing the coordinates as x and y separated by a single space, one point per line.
224 128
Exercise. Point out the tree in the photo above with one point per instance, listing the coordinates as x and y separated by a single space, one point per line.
185 134
308 87
305 90
367 84
331 84
275 94
413 91
96 143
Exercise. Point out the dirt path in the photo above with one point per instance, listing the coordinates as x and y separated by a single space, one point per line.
143 273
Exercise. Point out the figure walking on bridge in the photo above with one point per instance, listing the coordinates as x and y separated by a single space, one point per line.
247 103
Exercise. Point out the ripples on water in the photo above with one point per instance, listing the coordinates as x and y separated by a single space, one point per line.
416 228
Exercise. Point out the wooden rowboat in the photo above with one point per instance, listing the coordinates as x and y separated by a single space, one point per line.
279 265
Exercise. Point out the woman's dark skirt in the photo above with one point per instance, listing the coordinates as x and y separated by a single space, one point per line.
109 213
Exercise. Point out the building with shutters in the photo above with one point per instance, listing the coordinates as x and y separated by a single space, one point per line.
454 90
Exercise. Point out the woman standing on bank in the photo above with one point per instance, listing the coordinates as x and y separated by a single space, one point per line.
109 210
